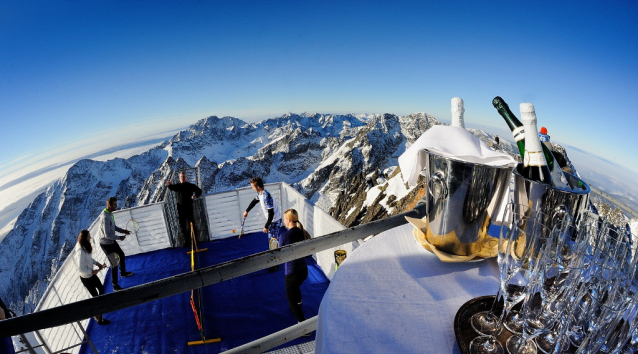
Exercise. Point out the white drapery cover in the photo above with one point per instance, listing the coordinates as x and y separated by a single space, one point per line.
448 141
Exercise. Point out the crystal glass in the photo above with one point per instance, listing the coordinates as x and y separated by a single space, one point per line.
602 298
552 268
562 266
512 249
527 240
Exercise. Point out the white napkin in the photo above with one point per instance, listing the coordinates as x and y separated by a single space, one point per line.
448 141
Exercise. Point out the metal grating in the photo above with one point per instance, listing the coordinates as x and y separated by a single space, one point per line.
304 348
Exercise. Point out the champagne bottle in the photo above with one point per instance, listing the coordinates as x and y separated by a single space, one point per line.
457 112
513 123
518 131
534 163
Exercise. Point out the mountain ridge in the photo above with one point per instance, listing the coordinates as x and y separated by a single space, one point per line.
228 151
326 157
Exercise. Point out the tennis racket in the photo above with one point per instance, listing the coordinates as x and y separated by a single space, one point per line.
132 225
242 228
114 259
273 243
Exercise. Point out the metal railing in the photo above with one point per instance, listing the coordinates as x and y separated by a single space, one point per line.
224 210
196 279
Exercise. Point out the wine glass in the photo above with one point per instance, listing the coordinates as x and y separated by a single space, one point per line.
627 336
551 272
489 322
603 319
526 248
613 292
563 264
603 298
511 248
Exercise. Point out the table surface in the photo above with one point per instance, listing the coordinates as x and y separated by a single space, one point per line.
393 296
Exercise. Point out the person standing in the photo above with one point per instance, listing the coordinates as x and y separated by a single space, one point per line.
270 209
108 240
268 206
296 271
185 193
88 275
4 311
6 344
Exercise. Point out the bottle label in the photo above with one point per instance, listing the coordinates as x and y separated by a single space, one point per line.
518 133
534 158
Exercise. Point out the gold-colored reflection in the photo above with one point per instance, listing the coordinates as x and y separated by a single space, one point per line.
448 248
340 256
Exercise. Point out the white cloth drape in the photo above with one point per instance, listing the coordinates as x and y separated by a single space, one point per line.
448 141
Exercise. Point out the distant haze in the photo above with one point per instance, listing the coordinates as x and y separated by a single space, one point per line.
15 195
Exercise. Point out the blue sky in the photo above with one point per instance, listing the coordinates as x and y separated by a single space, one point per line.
78 76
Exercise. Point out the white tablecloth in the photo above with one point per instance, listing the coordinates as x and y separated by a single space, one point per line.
393 296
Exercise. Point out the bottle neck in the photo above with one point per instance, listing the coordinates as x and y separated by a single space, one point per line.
457 112
458 121
505 112
534 155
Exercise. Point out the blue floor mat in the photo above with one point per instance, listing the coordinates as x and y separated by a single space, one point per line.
238 310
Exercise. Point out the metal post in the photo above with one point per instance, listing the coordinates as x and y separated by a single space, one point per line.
88 339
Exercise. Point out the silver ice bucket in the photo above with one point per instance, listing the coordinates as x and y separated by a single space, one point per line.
462 200
553 202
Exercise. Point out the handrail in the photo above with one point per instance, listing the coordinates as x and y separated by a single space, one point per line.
276 339
196 279
617 202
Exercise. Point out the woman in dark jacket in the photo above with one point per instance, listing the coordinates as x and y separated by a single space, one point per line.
296 271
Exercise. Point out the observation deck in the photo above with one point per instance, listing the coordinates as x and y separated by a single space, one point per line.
238 310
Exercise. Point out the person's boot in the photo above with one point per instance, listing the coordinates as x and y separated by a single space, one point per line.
305 334
101 321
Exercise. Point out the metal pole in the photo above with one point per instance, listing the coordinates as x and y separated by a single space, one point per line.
276 339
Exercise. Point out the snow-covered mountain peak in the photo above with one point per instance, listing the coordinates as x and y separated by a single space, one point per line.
318 154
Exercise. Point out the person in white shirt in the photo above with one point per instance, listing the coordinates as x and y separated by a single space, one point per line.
270 210
268 206
87 273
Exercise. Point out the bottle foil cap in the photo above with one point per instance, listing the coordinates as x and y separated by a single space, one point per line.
528 115
527 107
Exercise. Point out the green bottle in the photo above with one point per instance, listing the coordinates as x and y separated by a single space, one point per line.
518 131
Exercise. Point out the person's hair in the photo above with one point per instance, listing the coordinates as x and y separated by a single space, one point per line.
110 201
257 181
293 216
83 240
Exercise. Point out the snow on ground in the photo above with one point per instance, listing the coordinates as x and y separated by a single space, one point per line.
372 195
396 187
